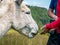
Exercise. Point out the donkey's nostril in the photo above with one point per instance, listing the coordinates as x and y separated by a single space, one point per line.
34 33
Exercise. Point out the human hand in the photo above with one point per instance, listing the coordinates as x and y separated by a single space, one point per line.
44 30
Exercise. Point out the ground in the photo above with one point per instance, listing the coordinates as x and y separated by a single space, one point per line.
14 38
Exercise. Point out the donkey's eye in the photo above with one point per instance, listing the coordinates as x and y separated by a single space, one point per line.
27 12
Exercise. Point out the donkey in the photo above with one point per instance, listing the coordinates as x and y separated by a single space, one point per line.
17 15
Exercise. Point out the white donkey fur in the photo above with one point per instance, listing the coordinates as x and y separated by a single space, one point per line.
16 16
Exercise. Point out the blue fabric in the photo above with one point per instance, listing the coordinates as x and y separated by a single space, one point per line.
52 39
53 5
58 40
53 35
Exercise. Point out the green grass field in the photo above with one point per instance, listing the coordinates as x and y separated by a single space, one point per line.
14 38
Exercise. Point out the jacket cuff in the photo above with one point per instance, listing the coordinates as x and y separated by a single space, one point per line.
48 26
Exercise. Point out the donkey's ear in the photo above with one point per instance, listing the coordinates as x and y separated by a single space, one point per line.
1 0
19 2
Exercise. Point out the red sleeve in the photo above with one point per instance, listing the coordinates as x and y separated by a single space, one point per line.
56 23
53 24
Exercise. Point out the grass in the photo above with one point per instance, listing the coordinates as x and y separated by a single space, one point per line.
14 38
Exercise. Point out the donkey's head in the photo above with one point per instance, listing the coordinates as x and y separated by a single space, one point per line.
25 24
31 27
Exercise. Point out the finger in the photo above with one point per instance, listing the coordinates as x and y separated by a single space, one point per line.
43 32
43 27
52 30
